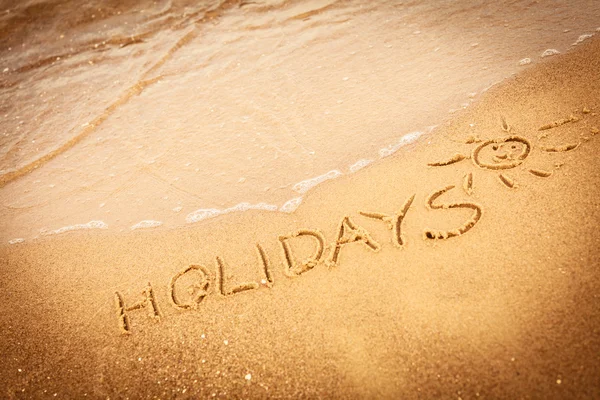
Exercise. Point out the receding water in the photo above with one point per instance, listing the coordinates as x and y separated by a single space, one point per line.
153 114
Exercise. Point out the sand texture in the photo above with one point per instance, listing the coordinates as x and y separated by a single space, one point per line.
464 267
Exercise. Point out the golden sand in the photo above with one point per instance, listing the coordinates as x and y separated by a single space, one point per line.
401 281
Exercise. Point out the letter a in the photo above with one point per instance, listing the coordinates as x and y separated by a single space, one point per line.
350 233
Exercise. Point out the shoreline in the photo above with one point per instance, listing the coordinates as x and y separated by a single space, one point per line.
287 207
163 190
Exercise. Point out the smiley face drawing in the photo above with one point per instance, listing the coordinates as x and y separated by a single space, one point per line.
501 154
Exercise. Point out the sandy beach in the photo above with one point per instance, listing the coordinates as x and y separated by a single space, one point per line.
464 266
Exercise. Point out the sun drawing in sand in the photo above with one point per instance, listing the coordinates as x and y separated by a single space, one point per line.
505 153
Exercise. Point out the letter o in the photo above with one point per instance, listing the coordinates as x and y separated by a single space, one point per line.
201 287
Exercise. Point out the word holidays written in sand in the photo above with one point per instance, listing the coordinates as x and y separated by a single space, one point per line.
189 287
498 155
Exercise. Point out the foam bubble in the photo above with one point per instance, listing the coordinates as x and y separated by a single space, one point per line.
582 38
89 225
265 207
490 86
304 186
146 224
248 206
550 52
404 140
177 209
15 241
203 213
206 213
291 205
360 164
524 61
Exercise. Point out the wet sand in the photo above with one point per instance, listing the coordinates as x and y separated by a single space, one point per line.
488 289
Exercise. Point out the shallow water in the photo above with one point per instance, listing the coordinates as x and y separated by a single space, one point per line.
153 114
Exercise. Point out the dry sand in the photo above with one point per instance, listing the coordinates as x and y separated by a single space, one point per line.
508 309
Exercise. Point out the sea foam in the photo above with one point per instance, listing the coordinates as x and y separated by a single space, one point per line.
404 140
147 223
291 205
77 227
206 213
524 61
203 213
360 164
305 186
582 38
550 52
